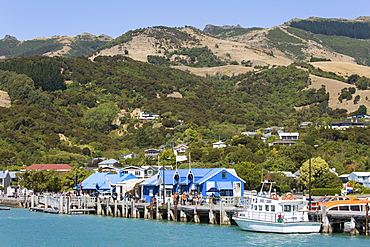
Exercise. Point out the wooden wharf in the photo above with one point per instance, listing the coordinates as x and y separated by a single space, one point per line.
220 213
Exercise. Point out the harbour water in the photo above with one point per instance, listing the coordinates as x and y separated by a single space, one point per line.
20 227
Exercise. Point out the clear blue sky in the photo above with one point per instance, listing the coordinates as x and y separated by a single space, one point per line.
29 19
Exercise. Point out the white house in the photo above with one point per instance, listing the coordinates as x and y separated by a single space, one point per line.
147 116
139 172
359 116
181 148
129 156
287 174
360 177
305 124
219 144
288 136
108 163
342 125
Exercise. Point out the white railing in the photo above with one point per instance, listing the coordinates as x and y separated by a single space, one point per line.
274 217
74 202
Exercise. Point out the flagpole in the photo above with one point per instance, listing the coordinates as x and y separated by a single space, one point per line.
189 161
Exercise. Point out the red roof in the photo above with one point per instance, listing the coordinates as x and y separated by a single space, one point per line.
58 167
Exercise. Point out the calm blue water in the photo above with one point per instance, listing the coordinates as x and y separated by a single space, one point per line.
20 227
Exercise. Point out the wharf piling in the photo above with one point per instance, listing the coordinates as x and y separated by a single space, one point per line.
207 212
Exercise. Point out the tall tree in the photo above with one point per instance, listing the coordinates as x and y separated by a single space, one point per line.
100 118
318 167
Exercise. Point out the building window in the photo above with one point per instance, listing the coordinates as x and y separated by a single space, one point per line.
137 173
150 172
223 174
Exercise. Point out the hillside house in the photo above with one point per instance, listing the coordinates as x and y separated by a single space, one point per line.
341 125
180 149
288 136
360 177
344 178
270 129
152 152
139 172
129 156
284 143
305 124
64 168
359 116
286 174
147 116
109 163
219 144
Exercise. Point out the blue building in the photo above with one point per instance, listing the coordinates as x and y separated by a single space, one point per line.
104 181
224 182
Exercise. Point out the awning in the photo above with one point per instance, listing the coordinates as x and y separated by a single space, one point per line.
129 184
225 185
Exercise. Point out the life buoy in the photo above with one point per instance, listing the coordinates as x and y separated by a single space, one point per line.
289 196
274 196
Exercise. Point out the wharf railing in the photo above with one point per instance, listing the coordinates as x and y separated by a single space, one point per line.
236 201
65 204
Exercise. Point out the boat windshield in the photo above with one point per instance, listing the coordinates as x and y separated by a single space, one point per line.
325 199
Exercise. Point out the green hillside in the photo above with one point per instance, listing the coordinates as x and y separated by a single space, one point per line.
356 48
77 122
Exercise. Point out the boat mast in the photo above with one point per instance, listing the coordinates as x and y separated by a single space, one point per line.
263 185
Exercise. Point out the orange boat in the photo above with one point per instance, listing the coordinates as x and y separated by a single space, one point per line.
326 199
344 203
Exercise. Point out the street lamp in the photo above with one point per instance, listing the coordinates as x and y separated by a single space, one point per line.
163 180
164 186
309 179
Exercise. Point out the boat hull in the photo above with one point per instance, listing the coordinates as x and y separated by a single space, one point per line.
273 227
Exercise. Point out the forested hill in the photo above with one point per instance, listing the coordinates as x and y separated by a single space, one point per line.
79 45
91 111
357 29
83 110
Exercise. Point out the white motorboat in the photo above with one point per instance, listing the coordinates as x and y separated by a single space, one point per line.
268 212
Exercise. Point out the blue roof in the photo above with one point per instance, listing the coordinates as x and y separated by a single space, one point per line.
152 181
200 176
100 180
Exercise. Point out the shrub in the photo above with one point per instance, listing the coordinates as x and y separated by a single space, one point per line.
325 191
